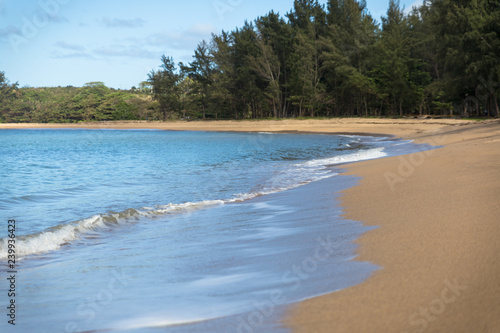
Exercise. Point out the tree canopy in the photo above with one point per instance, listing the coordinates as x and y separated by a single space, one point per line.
336 60
94 101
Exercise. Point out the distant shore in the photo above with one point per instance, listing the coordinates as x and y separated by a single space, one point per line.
437 213
398 127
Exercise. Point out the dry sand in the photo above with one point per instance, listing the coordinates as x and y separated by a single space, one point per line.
438 241
402 127
438 218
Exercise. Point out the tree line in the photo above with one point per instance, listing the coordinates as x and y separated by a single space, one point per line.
92 102
442 58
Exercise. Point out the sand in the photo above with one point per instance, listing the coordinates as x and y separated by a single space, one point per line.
437 214
437 241
401 127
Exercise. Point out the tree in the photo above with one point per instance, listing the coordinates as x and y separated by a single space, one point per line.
308 21
249 87
266 63
165 87
145 86
349 57
224 76
202 71
393 72
7 94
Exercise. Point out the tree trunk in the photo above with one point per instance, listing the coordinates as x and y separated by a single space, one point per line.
496 105
366 106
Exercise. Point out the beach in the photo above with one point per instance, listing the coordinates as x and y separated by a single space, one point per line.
400 127
436 241
436 215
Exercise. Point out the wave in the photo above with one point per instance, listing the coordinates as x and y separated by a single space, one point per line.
361 155
54 238
294 176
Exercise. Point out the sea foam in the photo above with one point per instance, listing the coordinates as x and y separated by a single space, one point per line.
296 175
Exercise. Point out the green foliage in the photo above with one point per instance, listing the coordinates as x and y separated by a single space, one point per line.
165 88
443 58
93 102
8 93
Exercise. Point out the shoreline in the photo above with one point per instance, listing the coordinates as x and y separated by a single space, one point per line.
436 250
359 126
436 240
401 128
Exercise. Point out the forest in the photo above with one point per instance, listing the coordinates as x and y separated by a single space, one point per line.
92 102
441 59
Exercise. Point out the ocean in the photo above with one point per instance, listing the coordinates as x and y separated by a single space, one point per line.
175 231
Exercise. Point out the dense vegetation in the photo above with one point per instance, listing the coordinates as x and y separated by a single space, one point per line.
440 59
94 101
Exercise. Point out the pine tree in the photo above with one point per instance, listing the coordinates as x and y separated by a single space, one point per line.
165 87
308 21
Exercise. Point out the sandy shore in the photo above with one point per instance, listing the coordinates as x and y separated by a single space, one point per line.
438 240
400 127
438 218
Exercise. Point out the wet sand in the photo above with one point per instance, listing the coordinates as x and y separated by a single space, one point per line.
437 241
438 218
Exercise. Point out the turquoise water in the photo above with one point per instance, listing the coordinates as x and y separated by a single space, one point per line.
145 230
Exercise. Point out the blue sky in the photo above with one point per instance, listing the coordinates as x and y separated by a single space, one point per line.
71 42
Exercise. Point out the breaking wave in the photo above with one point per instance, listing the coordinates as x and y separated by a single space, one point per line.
295 175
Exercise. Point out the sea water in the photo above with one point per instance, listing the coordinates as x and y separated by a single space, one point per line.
173 231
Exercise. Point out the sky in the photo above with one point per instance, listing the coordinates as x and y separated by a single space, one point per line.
50 43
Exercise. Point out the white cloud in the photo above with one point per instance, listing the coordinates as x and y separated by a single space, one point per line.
10 30
149 47
415 4
2 8
69 46
57 18
131 51
184 40
121 23
69 50
201 29
73 55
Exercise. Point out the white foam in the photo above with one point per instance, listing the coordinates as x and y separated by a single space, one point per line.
53 238
361 155
296 175
211 281
185 206
155 322
306 172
